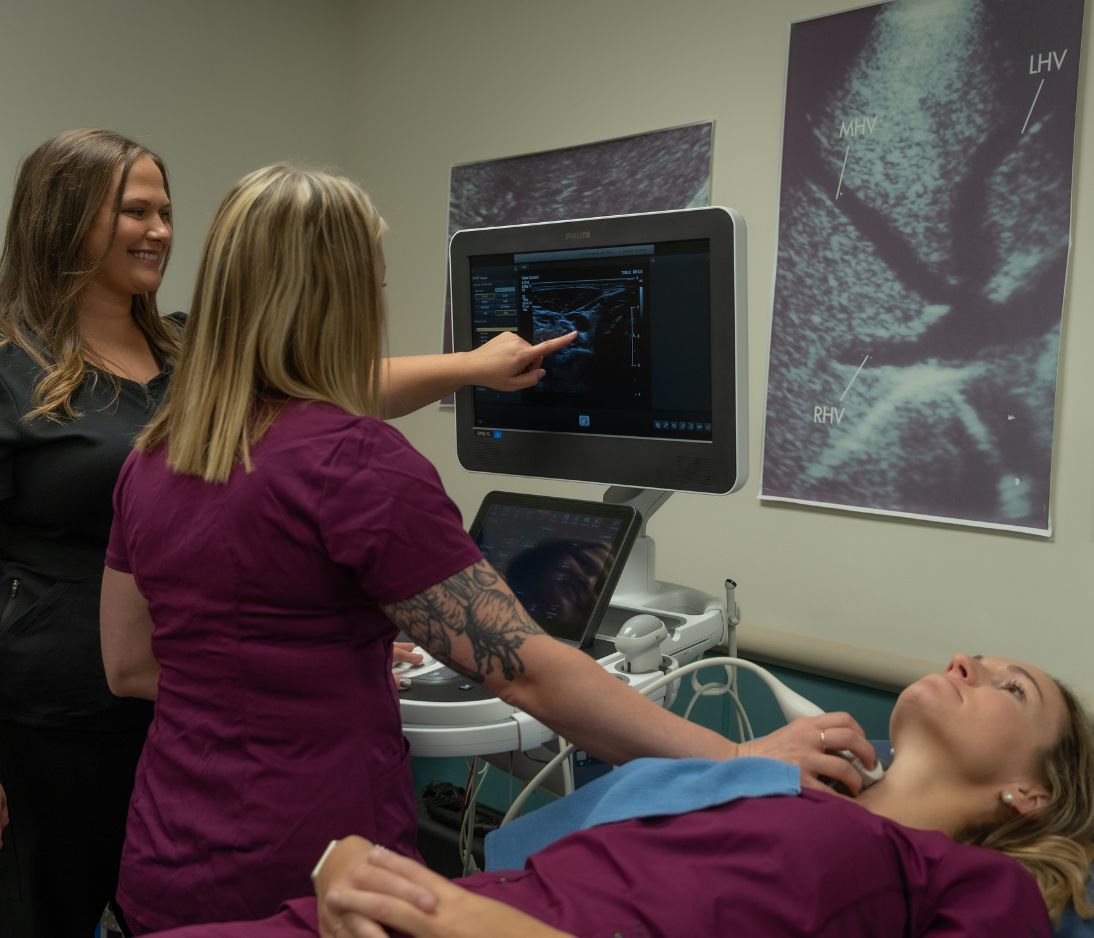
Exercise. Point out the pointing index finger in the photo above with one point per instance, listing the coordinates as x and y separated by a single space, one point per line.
550 346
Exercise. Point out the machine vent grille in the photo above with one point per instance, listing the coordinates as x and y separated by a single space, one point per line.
694 470
486 454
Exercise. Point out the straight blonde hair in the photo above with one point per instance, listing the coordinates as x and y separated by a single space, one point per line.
288 305
58 192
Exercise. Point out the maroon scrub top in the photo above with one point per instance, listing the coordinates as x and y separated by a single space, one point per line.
277 724
778 867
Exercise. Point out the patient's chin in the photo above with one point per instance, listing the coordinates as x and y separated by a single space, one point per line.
930 693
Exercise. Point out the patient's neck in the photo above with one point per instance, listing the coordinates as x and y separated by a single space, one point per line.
916 795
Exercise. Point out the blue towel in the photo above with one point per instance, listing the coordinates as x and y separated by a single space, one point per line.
642 788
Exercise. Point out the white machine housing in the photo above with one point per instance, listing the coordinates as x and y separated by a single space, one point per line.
484 727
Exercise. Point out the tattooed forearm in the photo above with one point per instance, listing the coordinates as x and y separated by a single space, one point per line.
474 606
485 575
420 618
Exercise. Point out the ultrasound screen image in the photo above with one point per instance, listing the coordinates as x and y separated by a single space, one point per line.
608 317
639 366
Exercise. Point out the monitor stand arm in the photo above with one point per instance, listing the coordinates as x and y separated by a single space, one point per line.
639 578
639 589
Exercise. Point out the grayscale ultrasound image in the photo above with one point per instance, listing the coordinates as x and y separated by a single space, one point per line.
924 231
664 169
605 315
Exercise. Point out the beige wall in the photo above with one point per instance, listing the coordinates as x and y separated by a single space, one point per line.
395 92
487 78
217 87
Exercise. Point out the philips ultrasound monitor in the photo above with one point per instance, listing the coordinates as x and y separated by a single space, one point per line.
652 394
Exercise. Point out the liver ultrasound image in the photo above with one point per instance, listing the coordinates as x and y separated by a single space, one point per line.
923 243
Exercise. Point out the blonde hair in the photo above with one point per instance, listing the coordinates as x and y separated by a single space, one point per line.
1056 841
288 304
59 190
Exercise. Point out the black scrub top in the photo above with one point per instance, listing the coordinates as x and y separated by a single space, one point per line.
56 491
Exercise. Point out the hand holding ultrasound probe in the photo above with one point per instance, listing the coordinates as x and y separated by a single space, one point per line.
639 640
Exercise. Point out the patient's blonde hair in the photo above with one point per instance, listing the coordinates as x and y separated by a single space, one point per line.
1056 842
288 304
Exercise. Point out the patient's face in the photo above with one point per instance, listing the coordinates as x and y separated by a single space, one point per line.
989 717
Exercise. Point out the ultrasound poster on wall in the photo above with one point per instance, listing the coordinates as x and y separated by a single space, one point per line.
924 235
656 171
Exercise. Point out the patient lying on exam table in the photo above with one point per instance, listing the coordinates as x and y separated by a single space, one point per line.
990 753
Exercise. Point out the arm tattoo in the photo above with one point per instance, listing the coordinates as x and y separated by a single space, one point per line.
468 605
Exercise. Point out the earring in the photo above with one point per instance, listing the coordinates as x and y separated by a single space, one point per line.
1008 798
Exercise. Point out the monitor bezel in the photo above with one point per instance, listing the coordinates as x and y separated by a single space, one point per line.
715 467
630 523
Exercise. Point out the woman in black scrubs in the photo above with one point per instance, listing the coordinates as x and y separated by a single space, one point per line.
85 360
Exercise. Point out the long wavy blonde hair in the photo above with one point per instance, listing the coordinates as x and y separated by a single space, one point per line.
288 305
59 190
1056 841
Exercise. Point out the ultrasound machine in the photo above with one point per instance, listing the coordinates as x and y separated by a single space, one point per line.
651 398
